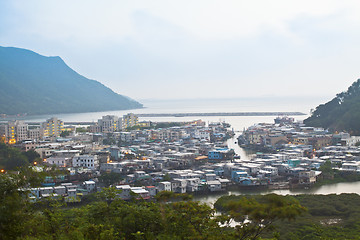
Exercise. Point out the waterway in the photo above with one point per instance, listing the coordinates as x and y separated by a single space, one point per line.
336 188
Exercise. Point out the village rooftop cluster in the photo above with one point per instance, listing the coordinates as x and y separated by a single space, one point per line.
144 158
294 152
147 157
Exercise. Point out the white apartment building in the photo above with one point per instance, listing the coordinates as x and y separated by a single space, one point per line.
89 186
202 134
58 161
86 161
164 186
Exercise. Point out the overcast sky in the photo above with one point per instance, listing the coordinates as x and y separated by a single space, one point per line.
195 49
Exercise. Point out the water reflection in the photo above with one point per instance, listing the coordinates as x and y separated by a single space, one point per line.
232 143
337 188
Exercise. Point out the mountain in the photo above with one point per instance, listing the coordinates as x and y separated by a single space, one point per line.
342 113
35 84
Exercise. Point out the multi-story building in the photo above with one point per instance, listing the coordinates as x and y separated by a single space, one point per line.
130 120
14 131
58 161
164 186
110 124
275 139
7 134
95 128
35 134
202 134
52 127
167 134
127 136
86 161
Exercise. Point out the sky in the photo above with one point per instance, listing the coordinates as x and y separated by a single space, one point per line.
187 49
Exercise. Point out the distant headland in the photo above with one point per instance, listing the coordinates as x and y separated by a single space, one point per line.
32 84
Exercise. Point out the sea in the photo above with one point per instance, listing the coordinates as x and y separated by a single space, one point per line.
265 104
238 124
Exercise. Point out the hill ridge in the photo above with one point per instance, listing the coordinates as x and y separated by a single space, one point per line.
342 113
36 84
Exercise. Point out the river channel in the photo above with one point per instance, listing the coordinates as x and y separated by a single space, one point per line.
336 188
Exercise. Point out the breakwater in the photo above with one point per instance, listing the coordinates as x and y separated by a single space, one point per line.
221 114
216 114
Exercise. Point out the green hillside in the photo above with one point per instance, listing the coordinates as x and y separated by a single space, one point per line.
35 84
342 113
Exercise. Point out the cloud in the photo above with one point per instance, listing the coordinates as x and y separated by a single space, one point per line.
205 48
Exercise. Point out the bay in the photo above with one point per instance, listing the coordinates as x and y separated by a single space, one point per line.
198 106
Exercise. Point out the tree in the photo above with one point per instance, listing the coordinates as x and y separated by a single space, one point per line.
32 156
65 133
110 178
191 220
166 177
109 217
327 171
257 216
11 158
15 208
82 130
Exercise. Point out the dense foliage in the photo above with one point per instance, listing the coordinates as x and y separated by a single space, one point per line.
11 158
34 84
105 216
328 216
110 178
341 113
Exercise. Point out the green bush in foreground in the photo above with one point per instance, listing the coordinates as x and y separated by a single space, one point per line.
108 217
327 217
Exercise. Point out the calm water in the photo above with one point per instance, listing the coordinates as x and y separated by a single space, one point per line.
338 188
238 124
201 105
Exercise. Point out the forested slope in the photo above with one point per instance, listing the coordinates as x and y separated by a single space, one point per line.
342 113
